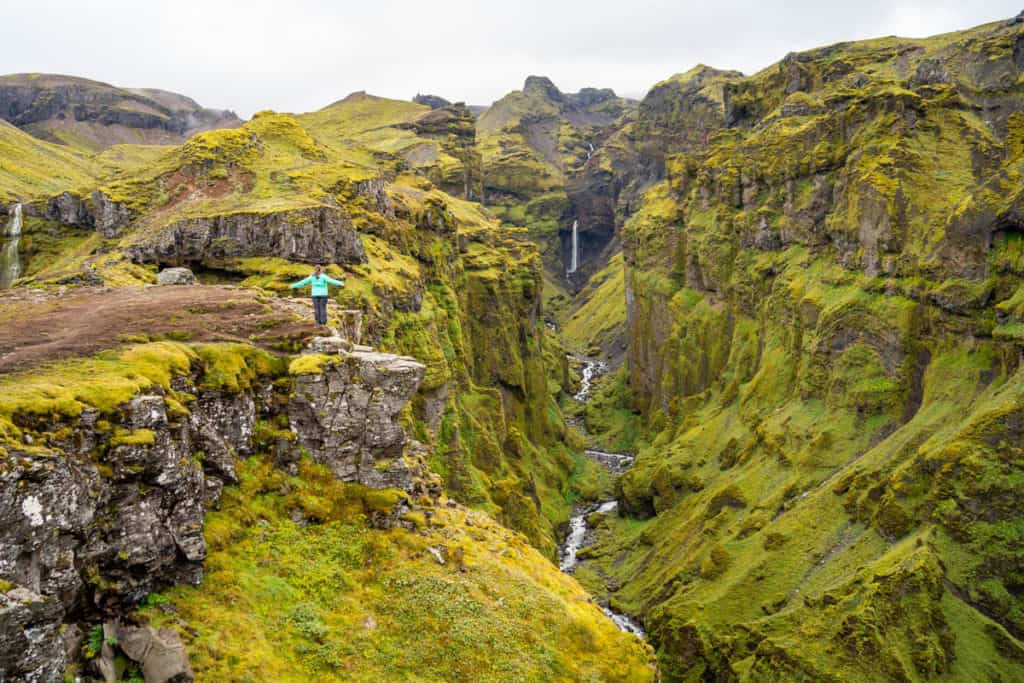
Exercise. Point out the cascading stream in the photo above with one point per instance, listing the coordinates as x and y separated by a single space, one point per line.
581 534
10 259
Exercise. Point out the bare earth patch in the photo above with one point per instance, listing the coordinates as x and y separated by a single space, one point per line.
37 326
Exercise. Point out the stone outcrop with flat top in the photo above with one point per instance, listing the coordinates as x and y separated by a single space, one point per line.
347 418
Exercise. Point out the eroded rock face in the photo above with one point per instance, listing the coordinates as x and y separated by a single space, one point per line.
94 520
315 235
97 211
31 647
346 418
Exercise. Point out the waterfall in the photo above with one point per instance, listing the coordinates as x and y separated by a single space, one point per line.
591 152
10 261
13 228
575 261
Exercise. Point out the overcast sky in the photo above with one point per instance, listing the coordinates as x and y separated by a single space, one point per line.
300 55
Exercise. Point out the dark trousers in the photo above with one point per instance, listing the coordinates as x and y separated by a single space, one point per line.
320 309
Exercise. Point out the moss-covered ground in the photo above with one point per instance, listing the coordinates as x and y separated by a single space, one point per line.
332 599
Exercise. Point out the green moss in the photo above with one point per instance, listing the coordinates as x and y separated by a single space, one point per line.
309 364
138 437
601 319
338 599
234 367
111 379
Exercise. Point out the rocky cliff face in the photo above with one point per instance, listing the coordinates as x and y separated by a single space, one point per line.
95 115
316 235
102 509
823 284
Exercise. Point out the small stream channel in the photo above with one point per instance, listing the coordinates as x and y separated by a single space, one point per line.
581 534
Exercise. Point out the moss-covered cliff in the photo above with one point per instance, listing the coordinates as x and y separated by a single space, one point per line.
823 283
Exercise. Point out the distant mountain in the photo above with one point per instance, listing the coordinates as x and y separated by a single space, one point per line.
90 115
534 143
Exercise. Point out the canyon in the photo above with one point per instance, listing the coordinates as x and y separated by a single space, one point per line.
723 384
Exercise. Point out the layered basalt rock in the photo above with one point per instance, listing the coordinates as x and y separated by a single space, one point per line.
105 509
320 234
95 212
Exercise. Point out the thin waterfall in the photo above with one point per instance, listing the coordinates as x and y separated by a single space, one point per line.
575 260
10 261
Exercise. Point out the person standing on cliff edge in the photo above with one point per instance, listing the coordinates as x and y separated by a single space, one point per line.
318 284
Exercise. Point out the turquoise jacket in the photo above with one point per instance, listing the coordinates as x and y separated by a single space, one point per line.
319 284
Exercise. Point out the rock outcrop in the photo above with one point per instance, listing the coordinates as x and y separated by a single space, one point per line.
347 418
432 101
97 212
103 509
315 235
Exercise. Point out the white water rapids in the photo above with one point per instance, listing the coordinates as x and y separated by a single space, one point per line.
581 534
10 260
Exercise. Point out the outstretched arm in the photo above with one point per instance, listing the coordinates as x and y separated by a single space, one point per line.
302 282
336 283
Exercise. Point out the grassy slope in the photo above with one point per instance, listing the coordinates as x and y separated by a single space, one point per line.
599 320
31 167
339 600
332 597
826 475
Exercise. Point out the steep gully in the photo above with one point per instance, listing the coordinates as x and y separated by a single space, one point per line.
581 534
10 261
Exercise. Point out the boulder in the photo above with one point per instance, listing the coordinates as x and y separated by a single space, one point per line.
160 654
176 276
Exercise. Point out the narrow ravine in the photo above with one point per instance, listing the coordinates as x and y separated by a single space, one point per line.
10 259
581 534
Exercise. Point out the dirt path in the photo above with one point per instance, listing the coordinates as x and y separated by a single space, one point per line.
36 327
